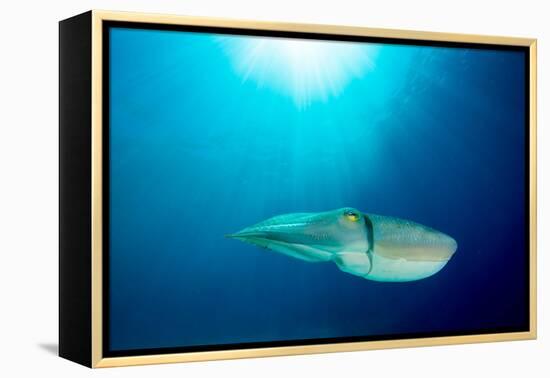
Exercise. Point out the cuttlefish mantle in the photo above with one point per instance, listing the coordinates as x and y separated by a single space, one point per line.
374 247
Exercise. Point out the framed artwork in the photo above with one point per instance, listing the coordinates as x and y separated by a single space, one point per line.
236 189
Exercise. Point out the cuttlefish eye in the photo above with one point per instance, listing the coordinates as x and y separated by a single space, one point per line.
351 216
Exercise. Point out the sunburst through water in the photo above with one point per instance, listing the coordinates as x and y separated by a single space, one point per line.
304 69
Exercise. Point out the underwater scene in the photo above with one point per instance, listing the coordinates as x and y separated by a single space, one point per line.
287 191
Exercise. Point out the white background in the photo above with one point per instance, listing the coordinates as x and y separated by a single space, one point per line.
29 174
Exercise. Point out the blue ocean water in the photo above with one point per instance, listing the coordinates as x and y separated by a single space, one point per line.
204 142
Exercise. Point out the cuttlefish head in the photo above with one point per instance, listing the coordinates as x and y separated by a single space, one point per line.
310 236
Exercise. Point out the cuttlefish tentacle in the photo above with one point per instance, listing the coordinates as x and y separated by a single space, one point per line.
371 246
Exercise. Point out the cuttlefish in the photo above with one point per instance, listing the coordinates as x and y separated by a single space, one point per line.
375 247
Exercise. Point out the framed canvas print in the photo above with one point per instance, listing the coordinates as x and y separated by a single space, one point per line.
237 189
